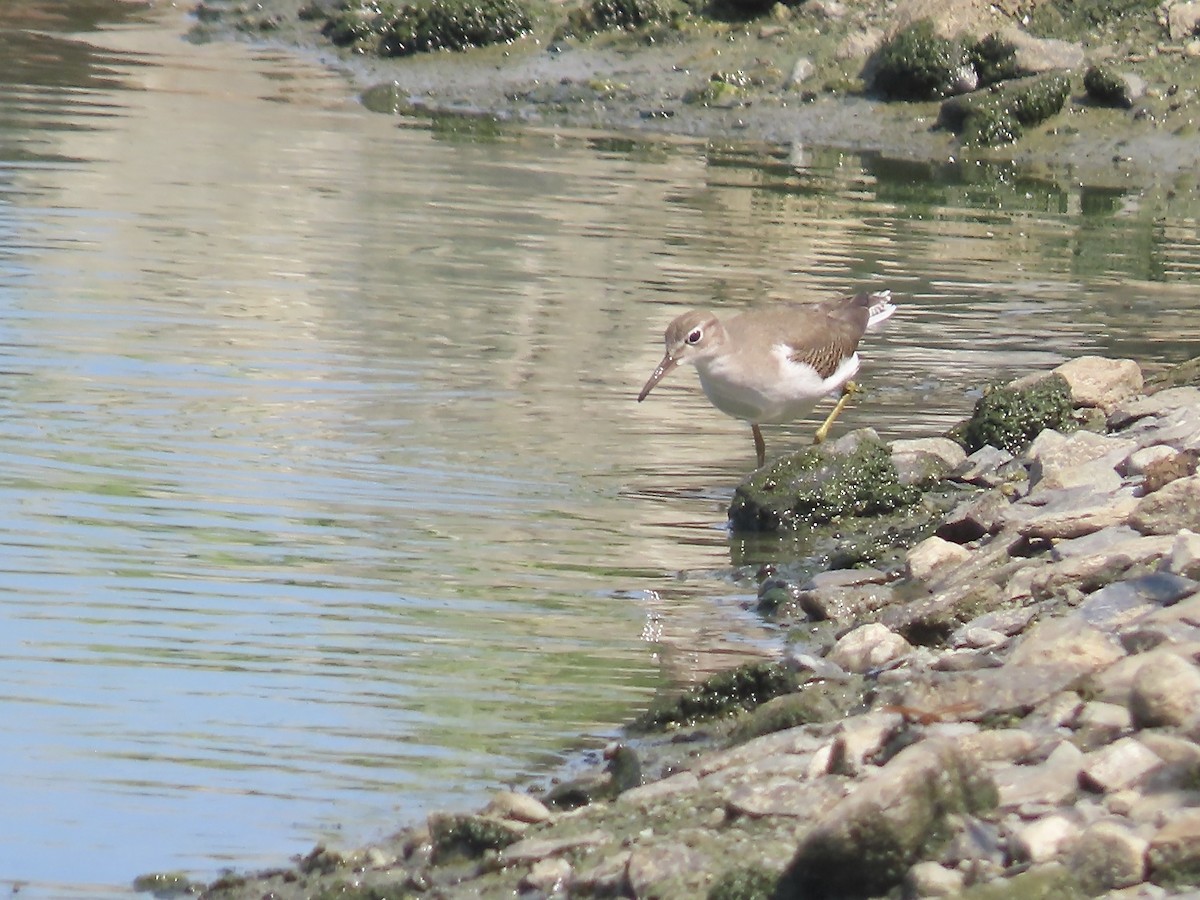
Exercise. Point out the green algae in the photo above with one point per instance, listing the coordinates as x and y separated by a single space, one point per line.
917 64
744 883
1104 85
814 702
1001 115
1010 417
403 29
611 15
468 836
813 488
742 688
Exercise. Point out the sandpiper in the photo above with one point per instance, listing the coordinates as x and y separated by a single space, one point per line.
769 366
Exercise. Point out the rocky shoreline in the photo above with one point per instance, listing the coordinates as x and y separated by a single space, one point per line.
1013 710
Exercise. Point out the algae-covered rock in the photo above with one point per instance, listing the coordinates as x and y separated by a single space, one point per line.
1010 417
812 488
1111 88
744 883
918 64
815 702
864 845
1000 115
742 688
399 30
469 835
610 15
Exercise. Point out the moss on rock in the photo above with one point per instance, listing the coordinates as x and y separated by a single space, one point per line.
744 883
742 688
1010 417
1001 115
399 30
917 64
812 488
468 835
610 15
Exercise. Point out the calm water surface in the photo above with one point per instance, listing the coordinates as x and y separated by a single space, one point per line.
326 498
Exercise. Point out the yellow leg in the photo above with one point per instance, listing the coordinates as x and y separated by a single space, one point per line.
848 391
760 446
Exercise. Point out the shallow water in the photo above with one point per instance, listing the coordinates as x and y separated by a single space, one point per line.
327 499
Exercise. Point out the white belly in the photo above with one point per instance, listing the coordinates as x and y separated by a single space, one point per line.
772 391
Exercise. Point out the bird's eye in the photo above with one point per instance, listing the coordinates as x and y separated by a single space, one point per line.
694 337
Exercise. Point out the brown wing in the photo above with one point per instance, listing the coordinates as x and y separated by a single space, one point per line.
831 334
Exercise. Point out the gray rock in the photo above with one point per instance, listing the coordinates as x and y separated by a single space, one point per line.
926 461
1044 838
1137 461
866 844
1162 403
666 869
1122 764
1165 691
974 518
802 70
845 604
1035 55
1101 382
1124 602
1183 18
1166 511
1173 857
1069 643
1070 513
933 556
519 807
780 796
548 876
1047 785
1184 558
983 467
1108 856
1083 458
532 849
932 879
1099 723
868 647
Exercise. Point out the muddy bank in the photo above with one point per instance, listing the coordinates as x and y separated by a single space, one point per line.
792 75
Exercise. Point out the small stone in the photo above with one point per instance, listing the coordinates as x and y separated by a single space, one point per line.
651 866
1046 785
1183 18
1184 558
1099 723
971 519
1083 458
1137 461
1101 382
549 876
868 647
1069 643
1108 856
1043 839
802 70
931 879
1165 691
1120 765
1072 512
1163 471
933 556
1174 852
519 807
926 461
983 467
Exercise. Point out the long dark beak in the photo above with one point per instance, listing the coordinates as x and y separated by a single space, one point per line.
664 369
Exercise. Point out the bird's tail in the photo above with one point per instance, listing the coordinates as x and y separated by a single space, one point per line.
880 308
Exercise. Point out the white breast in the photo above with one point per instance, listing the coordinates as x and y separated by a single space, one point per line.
773 389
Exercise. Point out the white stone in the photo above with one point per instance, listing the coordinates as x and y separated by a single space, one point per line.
931 879
868 647
1043 839
934 556
1120 765
1165 691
